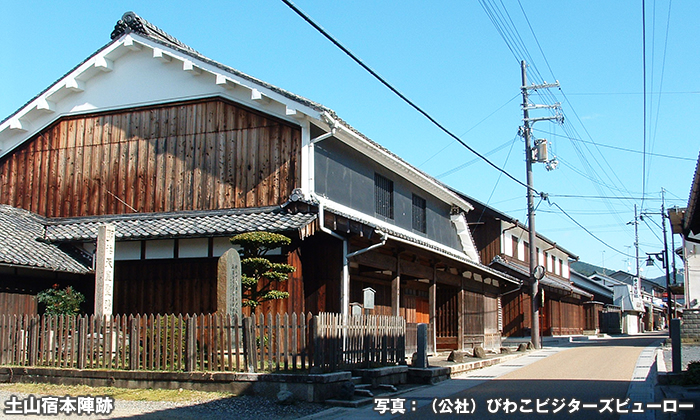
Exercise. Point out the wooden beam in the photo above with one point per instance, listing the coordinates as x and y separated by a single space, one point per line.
376 260
104 64
432 307
131 44
294 113
225 82
259 97
396 289
43 104
161 56
415 269
17 124
449 278
190 67
75 85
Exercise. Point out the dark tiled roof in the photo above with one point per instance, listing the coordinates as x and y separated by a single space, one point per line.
692 216
546 280
19 231
195 224
416 240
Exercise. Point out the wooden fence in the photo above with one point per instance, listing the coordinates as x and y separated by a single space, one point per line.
202 342
365 341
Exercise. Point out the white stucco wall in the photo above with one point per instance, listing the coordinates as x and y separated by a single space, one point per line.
691 252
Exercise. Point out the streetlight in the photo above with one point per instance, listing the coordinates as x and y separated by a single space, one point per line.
658 255
661 256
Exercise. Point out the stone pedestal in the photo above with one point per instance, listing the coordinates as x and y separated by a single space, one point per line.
690 327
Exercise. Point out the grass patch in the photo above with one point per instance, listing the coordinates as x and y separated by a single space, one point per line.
123 394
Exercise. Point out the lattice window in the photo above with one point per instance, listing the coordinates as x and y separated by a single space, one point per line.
418 213
383 196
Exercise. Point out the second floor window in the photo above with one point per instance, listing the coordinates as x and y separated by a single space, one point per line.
383 196
419 213
515 241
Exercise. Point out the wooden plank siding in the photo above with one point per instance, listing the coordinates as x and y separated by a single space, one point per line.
564 318
486 232
165 286
517 310
473 319
199 155
447 315
18 304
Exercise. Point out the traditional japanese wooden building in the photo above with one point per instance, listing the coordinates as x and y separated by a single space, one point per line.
180 152
502 242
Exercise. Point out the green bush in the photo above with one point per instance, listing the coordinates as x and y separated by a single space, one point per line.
692 375
61 302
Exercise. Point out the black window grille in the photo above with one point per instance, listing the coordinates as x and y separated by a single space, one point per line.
383 196
419 213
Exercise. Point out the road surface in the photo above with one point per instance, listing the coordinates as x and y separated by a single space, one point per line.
560 379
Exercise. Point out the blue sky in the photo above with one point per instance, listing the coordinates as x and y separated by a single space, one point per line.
448 57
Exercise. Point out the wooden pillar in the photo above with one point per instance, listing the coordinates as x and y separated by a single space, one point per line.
461 309
432 304
396 289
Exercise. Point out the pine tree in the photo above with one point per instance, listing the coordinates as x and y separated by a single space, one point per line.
260 276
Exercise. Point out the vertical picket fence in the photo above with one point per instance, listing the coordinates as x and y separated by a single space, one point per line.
365 341
213 343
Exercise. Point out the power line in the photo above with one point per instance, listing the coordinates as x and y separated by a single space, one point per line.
471 162
536 40
473 127
652 230
633 93
427 115
661 84
498 180
598 197
397 92
644 100
589 232
616 147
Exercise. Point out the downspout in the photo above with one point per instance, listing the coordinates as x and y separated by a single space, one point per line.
383 236
520 286
345 277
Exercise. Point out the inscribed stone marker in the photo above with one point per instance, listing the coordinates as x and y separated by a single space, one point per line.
228 286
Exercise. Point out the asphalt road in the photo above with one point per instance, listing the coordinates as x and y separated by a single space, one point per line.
590 372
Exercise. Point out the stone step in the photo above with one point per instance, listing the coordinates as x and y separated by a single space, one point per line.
387 387
362 392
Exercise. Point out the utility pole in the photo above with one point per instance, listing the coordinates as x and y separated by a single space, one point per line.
669 299
526 132
636 242
673 256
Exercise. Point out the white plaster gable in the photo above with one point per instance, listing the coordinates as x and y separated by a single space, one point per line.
465 237
135 71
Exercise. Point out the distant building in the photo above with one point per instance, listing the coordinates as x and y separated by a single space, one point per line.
687 223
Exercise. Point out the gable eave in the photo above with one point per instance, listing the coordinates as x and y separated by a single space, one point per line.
42 110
